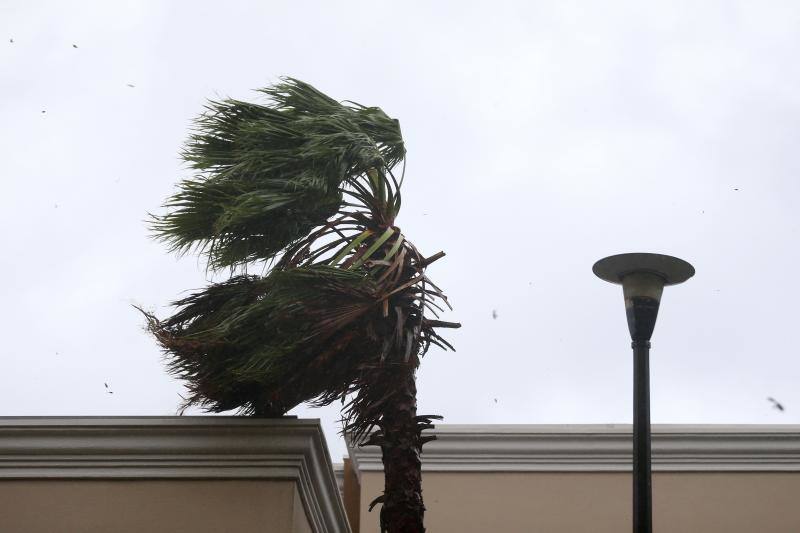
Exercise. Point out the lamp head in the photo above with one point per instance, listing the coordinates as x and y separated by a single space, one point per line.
643 277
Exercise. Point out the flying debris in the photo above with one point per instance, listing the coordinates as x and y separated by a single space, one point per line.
43 111
494 314
11 41
776 404
735 189
74 46
108 391
130 85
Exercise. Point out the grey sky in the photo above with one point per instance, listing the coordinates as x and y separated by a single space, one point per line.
541 137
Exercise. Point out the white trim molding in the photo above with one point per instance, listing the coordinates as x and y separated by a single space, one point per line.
600 448
203 447
338 472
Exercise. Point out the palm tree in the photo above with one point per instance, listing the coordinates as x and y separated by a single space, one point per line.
303 188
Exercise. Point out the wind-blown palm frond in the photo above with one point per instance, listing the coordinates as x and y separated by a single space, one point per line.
263 345
268 174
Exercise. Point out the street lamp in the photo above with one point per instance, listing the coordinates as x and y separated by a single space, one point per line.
643 278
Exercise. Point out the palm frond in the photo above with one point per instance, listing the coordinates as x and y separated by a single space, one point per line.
268 174
264 344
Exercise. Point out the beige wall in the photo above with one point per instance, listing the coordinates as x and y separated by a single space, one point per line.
683 502
168 506
351 495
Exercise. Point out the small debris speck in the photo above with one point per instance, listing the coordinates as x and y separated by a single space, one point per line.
130 85
494 314
74 46
776 404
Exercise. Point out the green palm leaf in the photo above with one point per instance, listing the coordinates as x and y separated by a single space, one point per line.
268 174
263 344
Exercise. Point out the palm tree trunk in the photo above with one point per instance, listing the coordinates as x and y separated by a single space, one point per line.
402 510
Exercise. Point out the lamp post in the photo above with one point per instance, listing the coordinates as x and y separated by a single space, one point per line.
643 278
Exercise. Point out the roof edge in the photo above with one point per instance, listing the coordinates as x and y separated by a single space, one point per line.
600 448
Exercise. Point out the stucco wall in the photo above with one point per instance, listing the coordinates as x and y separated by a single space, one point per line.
351 494
168 506
552 502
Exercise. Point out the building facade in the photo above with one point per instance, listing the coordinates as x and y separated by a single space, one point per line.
212 474
166 475
577 479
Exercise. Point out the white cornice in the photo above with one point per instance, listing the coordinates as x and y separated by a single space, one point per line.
209 447
338 471
600 448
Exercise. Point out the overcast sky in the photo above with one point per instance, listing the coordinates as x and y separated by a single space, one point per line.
541 137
